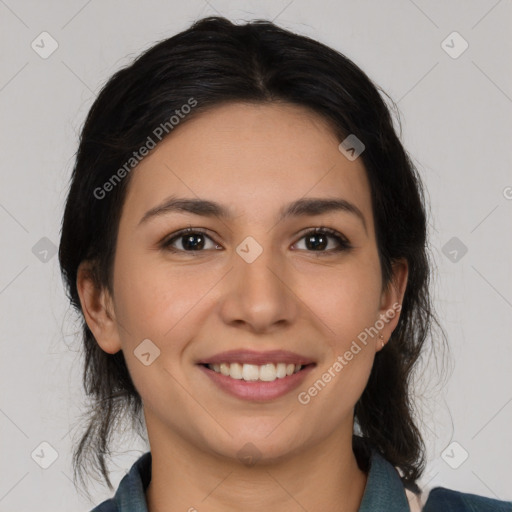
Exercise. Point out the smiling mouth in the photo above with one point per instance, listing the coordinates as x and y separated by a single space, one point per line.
268 372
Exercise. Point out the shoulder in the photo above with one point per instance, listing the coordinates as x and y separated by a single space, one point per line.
130 495
441 499
106 506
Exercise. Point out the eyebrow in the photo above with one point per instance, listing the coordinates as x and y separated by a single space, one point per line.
300 208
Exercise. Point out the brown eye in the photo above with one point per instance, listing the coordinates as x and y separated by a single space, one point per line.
320 240
189 240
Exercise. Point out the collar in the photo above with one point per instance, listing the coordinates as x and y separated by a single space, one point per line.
383 487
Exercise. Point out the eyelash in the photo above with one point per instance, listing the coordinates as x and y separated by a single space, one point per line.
343 243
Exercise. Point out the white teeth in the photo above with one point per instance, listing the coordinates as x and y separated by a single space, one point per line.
252 372
290 368
235 371
281 371
268 372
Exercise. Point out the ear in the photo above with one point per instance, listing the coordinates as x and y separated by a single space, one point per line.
98 310
392 298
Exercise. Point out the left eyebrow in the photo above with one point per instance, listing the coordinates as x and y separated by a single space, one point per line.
299 208
318 206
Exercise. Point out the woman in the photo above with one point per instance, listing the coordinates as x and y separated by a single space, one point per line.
245 239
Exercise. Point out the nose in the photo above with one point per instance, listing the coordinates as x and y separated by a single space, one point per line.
258 296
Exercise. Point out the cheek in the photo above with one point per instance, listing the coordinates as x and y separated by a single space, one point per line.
341 378
153 297
158 303
345 299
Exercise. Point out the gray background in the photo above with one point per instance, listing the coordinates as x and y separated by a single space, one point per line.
456 124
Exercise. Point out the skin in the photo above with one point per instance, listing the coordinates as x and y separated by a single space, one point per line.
253 159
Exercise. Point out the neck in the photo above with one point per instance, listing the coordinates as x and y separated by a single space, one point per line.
323 477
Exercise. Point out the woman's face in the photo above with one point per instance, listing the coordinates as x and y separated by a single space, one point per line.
252 280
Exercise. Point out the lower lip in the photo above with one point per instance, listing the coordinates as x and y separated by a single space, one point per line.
258 390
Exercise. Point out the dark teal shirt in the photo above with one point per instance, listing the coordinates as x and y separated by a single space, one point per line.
384 492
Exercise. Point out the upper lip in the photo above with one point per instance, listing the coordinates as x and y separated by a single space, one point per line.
257 358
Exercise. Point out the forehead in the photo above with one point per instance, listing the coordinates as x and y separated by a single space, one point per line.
251 157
